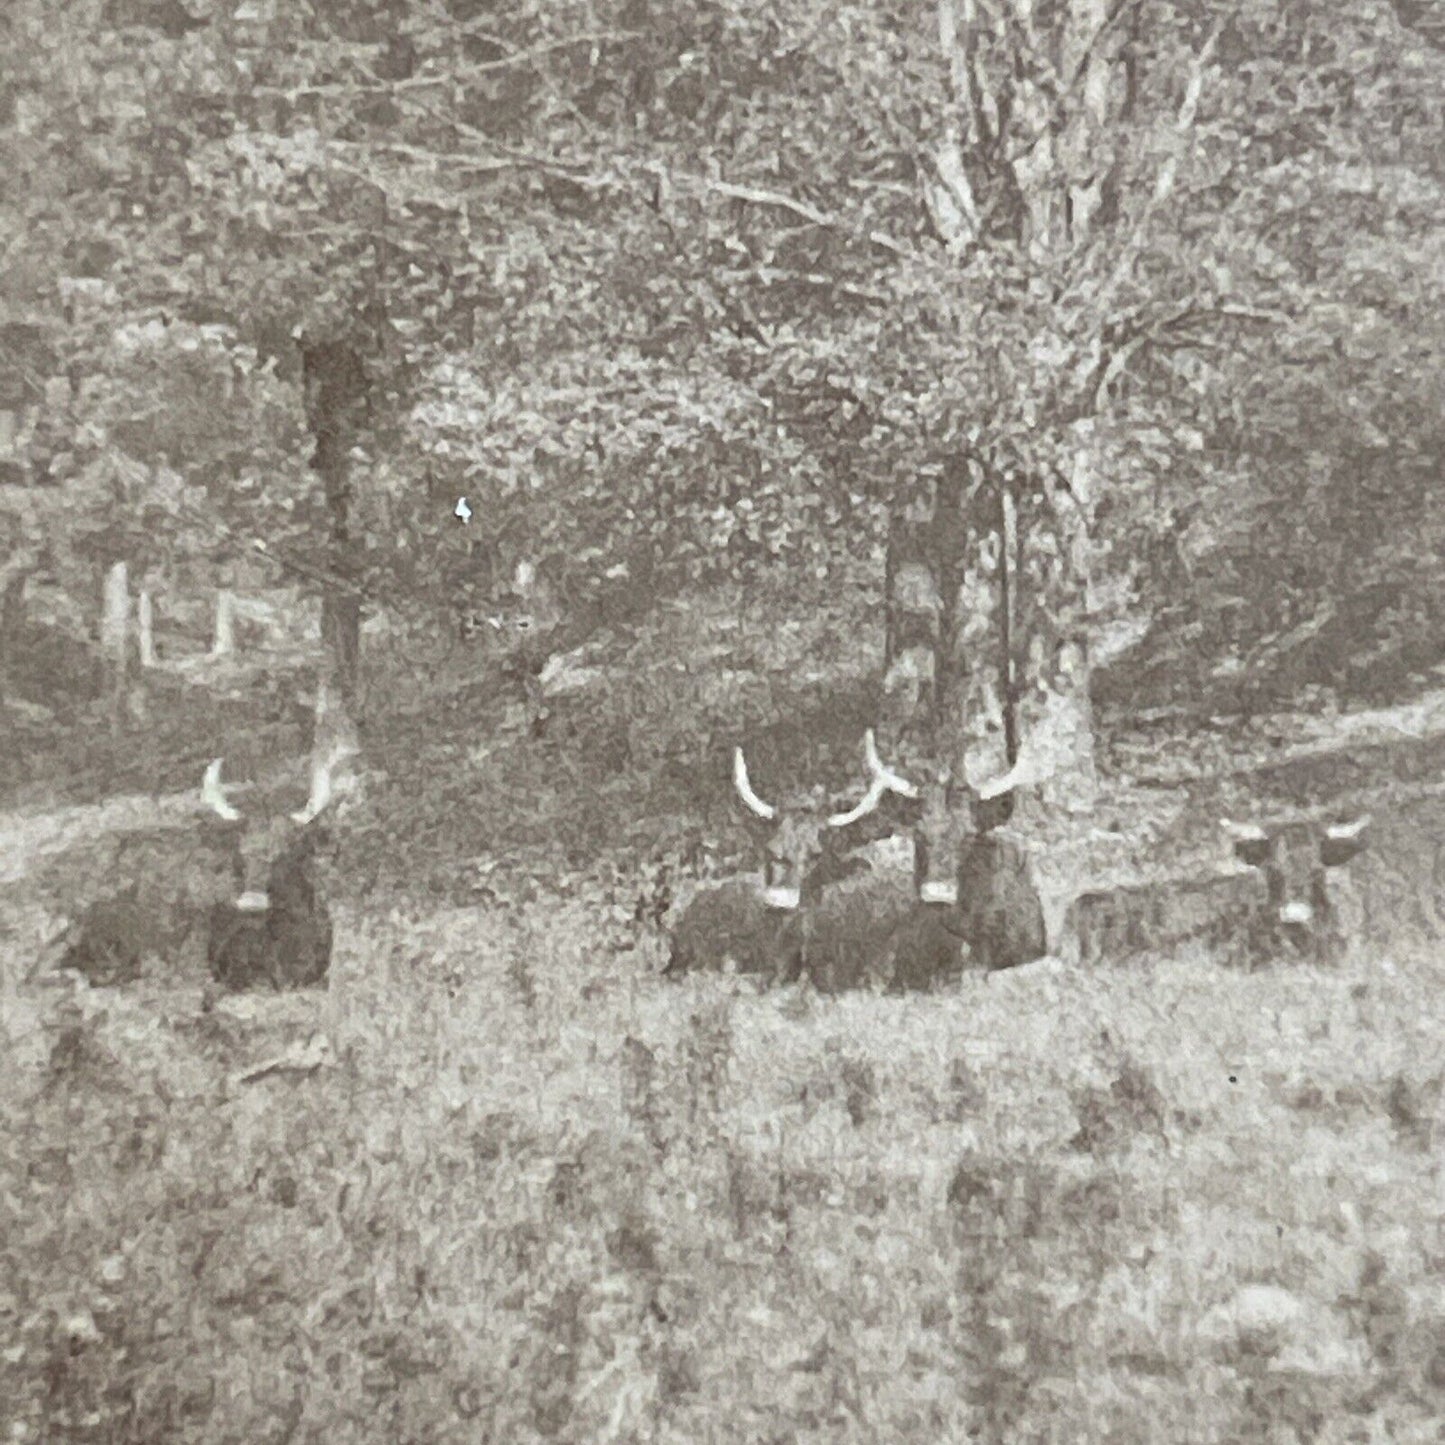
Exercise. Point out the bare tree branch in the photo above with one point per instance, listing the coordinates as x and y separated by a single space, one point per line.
375 85
758 196
1117 11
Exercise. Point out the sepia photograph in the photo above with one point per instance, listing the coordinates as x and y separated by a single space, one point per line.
722 722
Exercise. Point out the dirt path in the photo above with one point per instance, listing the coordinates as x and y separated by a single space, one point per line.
29 835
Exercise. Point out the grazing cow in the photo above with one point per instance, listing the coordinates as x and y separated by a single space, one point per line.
277 932
1277 905
762 926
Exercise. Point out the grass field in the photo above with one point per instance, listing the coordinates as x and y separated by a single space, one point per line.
504 1184
500 1182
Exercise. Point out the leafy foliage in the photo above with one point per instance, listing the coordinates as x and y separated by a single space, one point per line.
720 283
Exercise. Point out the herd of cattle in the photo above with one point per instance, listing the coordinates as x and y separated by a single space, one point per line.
814 910
972 902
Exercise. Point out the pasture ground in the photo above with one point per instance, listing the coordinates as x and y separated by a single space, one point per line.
504 1188
499 1182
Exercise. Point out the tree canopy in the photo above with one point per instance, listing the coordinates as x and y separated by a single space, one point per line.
722 281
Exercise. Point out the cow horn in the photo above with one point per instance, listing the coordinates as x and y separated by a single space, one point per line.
745 789
320 787
1243 832
1023 774
213 795
893 782
1344 832
867 804
1035 764
884 780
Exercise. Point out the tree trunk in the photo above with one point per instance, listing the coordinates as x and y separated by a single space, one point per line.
948 614
949 585
1050 643
336 398
913 615
225 641
115 637
1009 556
333 731
987 658
17 570
915 608
1054 198
145 628
341 638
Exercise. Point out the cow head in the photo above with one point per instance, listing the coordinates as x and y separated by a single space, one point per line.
271 854
796 840
941 813
1295 859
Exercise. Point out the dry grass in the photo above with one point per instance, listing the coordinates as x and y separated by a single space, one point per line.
501 1183
531 1192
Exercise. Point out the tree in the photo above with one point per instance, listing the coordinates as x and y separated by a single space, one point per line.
718 285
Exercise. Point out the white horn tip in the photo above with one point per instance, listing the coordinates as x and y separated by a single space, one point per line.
1346 831
1244 832
320 791
866 805
997 788
213 795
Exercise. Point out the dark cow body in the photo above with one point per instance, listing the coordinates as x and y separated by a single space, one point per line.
766 926
286 945
879 933
1159 916
1000 911
730 925
277 932
927 950
971 902
111 940
873 933
1279 906
852 933
975 903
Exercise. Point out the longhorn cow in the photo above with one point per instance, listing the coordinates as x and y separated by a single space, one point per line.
1296 913
763 925
276 932
973 902
1280 904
